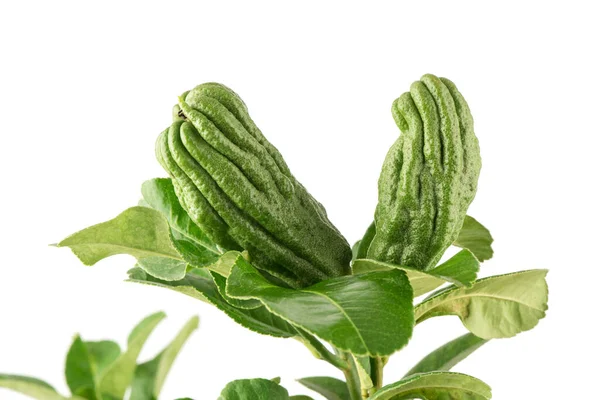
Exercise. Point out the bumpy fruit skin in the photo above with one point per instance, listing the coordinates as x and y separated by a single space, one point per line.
429 176
236 186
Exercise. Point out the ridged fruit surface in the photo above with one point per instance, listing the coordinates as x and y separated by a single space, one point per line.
429 176
236 186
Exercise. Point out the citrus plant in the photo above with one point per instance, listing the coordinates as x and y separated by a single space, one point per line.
231 226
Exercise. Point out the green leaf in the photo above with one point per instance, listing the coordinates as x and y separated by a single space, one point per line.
319 350
423 283
79 372
198 283
447 356
461 270
192 244
475 237
31 387
102 354
368 314
160 195
150 376
192 252
330 388
496 307
253 389
85 363
362 246
164 268
435 386
119 375
300 397
221 283
363 369
137 231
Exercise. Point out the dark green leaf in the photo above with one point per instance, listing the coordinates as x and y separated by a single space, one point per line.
160 195
79 370
253 389
447 356
150 376
137 231
475 237
362 246
192 252
495 307
192 244
300 397
365 314
199 284
435 386
330 388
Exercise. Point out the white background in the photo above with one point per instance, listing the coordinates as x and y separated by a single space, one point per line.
85 90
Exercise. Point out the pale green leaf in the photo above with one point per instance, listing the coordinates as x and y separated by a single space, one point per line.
85 363
364 314
447 356
363 369
150 376
253 389
164 268
119 375
102 354
31 387
330 388
461 269
475 237
198 283
496 307
137 231
223 264
221 283
435 386
423 283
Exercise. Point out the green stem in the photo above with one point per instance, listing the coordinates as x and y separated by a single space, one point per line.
377 364
320 351
352 379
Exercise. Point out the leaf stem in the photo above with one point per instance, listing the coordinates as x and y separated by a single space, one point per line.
320 351
377 364
352 378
